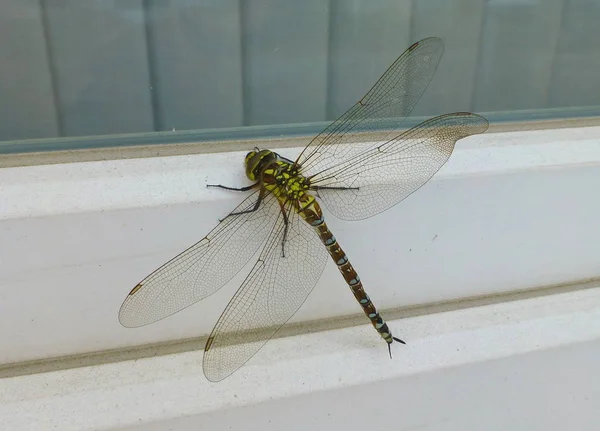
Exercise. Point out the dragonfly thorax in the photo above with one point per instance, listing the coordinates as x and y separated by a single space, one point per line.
276 173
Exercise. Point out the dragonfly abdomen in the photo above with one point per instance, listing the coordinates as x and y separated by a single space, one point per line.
312 214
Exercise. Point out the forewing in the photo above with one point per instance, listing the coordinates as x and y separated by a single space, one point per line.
380 112
380 177
204 267
273 291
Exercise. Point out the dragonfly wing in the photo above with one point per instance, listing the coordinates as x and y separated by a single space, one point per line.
204 267
380 111
273 291
380 177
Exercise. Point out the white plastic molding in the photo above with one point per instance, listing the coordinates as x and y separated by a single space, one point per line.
510 211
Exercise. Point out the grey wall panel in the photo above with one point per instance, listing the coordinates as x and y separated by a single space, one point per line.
366 37
285 60
459 24
195 51
576 70
519 41
100 59
27 107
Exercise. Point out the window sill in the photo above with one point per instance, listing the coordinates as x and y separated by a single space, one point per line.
510 211
522 364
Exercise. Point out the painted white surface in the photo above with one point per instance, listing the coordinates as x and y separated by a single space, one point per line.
509 211
523 365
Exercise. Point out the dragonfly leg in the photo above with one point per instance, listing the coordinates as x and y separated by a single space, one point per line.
235 189
251 210
286 222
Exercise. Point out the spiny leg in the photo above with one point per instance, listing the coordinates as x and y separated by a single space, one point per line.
286 222
260 198
235 189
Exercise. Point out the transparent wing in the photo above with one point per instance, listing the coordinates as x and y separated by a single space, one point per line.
380 177
273 291
203 268
380 111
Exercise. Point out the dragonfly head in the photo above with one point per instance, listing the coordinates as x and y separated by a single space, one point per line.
256 161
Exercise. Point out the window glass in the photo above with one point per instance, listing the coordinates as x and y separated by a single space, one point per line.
79 73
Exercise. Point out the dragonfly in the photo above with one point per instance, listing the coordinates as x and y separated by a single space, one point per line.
359 166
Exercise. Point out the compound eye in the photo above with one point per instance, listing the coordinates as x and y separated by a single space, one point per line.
250 155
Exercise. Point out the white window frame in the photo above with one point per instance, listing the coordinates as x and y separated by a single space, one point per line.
510 211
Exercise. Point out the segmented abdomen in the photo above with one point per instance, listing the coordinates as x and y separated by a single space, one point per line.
311 212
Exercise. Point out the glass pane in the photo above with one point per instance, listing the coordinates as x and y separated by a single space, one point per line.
94 73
